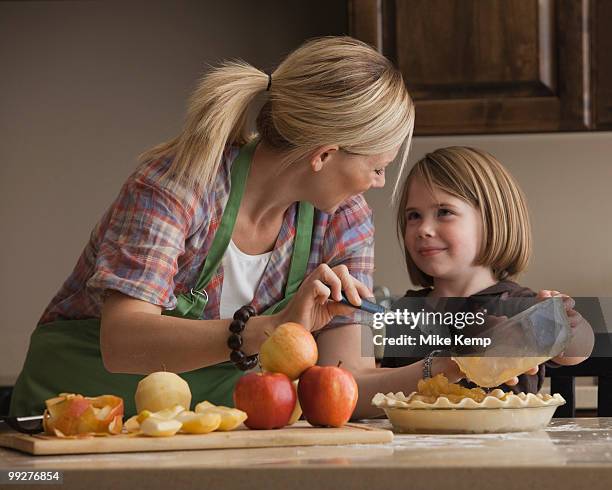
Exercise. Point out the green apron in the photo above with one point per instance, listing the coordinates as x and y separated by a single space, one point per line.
64 355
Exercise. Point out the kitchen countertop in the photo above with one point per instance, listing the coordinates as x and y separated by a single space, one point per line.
570 453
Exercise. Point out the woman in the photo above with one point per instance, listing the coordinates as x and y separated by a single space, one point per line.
214 220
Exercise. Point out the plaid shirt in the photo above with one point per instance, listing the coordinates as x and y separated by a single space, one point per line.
152 241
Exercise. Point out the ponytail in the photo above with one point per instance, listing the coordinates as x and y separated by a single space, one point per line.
330 90
216 116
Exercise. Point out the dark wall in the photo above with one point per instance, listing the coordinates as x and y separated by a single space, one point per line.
84 88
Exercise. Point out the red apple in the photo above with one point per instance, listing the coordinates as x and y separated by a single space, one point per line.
328 395
290 349
267 398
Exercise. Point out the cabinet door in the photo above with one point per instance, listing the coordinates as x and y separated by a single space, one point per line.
485 66
601 46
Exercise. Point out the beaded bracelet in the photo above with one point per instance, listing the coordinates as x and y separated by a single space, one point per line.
234 342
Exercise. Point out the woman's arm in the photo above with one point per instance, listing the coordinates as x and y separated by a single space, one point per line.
136 338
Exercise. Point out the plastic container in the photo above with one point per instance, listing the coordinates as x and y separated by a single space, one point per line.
519 343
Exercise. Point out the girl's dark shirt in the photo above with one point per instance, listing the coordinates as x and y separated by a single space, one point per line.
528 383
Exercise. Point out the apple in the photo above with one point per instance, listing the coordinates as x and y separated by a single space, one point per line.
290 349
160 427
267 398
199 423
162 390
297 410
132 424
70 414
211 419
328 395
230 417
166 413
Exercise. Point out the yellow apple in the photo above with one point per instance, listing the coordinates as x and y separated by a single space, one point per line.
158 427
290 350
166 413
143 415
132 424
230 417
162 390
200 407
199 423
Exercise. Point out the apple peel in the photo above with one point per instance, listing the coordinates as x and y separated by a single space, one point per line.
73 416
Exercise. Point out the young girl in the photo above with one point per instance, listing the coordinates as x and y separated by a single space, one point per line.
466 233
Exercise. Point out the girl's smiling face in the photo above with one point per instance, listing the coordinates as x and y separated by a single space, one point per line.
443 233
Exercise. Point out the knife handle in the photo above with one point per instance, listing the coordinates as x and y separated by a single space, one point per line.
368 306
27 425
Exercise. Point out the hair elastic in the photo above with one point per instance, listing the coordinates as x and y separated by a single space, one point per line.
269 82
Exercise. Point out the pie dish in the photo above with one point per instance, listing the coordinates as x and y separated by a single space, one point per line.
442 407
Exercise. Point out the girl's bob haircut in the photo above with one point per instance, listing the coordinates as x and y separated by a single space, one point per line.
476 177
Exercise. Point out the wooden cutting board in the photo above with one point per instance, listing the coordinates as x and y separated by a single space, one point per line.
300 434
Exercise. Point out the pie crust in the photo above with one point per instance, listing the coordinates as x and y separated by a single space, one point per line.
494 399
442 407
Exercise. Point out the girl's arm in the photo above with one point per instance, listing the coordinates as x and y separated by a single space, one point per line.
136 338
344 344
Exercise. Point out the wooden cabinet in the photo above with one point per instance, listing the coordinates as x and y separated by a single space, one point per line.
496 66
601 44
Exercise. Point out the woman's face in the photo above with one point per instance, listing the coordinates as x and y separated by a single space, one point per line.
341 175
443 233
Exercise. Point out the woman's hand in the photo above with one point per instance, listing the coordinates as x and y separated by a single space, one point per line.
311 306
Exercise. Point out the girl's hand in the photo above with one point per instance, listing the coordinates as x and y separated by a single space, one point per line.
572 314
515 380
454 372
582 337
311 306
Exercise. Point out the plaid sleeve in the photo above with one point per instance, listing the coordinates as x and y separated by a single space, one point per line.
349 240
139 248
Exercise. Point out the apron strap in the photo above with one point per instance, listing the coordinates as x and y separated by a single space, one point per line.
301 248
192 304
300 256
239 175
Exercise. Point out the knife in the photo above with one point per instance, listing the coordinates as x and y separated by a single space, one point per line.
367 306
28 425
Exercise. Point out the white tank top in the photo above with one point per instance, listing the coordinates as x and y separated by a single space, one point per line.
241 276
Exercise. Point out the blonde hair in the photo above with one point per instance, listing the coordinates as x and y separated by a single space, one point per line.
331 90
476 177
